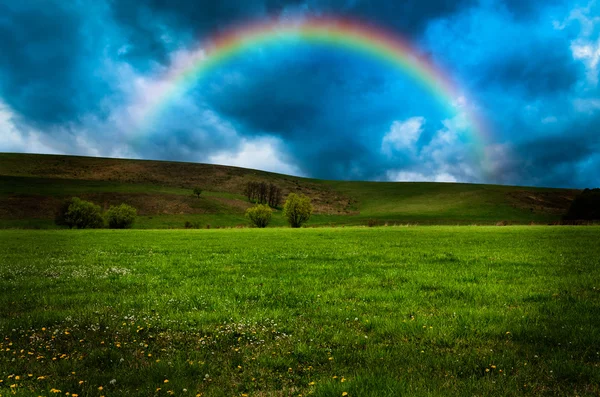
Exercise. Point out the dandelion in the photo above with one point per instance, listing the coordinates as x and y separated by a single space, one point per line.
343 379
17 377
80 382
13 386
344 394
74 395
100 388
311 384
158 389
53 390
166 381
330 358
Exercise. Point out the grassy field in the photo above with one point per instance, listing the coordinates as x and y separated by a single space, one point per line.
32 187
280 312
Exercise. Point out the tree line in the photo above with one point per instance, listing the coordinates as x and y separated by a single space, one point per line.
263 193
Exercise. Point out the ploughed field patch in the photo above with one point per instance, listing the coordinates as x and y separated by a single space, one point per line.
279 312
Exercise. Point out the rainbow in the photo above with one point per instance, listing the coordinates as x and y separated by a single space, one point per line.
337 32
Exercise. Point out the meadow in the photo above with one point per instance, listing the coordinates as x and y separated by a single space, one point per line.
387 311
32 188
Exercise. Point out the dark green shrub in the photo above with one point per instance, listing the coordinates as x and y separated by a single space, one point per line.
586 206
197 191
120 217
192 225
61 214
297 209
260 216
80 214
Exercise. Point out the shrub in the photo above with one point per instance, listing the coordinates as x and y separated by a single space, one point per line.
192 225
297 209
197 191
260 216
80 214
120 217
61 214
586 206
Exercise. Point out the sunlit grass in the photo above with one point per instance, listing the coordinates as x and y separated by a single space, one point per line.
364 311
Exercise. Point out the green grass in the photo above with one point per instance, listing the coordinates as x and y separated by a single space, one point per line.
392 311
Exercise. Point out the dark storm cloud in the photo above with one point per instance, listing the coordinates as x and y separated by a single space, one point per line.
48 61
560 160
147 26
538 68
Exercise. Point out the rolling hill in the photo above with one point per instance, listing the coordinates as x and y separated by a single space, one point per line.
32 187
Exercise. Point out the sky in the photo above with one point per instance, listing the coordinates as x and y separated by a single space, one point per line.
80 77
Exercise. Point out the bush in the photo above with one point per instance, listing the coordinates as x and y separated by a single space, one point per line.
120 217
297 209
61 215
192 225
197 191
260 216
586 206
372 223
80 214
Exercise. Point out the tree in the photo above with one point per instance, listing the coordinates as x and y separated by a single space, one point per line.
263 193
274 196
297 209
80 214
260 215
120 217
197 191
61 214
586 206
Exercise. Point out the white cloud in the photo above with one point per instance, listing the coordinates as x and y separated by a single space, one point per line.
586 47
589 53
586 105
450 156
403 135
549 120
260 153
412 176
16 139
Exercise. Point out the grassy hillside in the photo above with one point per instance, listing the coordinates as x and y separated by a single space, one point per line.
32 187
396 311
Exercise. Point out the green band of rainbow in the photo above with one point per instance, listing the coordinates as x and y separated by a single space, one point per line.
336 32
